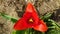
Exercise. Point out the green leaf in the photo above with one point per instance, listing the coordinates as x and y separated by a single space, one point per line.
27 31
54 22
8 17
37 32
13 20
14 32
46 16
53 31
20 32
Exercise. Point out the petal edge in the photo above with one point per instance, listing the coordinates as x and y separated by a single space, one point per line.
20 25
42 27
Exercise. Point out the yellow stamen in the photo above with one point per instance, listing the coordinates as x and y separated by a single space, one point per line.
30 20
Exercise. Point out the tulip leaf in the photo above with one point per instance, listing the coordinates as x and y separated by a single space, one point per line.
13 20
53 31
20 32
14 32
27 31
8 17
46 16
54 23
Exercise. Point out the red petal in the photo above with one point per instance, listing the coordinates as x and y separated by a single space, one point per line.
20 25
42 27
31 13
30 8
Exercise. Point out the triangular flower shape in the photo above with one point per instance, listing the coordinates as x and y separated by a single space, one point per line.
30 19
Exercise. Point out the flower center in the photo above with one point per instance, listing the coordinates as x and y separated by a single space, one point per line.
31 20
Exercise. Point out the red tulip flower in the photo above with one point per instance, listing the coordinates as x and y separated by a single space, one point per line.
30 19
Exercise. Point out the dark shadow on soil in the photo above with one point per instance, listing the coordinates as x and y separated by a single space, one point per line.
20 13
56 15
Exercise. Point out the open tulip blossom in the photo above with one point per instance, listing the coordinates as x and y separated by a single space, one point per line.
30 19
